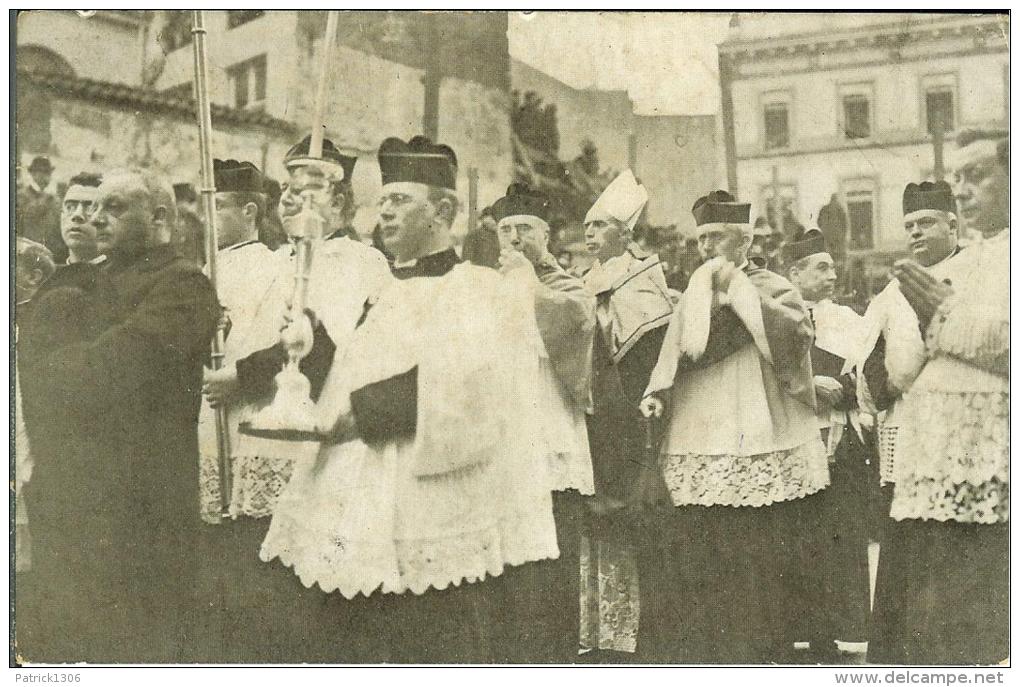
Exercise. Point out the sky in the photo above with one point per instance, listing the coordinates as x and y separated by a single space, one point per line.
667 62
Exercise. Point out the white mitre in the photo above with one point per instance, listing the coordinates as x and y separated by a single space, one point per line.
623 200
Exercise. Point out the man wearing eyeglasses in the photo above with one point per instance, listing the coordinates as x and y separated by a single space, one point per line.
78 235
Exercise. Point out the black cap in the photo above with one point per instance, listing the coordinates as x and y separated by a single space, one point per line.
812 244
521 199
233 176
330 153
928 196
720 207
41 164
419 160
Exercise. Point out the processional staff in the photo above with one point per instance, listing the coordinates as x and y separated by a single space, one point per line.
208 192
291 415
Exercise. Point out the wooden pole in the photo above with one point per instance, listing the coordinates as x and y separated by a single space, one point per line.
208 192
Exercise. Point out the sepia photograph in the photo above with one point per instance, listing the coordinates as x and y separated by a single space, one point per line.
510 338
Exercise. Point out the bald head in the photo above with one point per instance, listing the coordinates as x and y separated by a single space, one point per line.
135 211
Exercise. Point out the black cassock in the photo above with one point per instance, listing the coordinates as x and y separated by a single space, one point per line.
825 535
111 359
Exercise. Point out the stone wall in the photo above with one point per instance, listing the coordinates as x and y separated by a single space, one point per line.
92 135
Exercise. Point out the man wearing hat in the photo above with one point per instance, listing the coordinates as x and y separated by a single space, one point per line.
942 594
566 320
429 481
38 209
633 309
893 352
250 285
826 576
734 383
345 274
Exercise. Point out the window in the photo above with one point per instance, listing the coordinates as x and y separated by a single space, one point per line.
248 80
176 31
939 110
236 18
781 214
777 125
860 212
938 106
856 116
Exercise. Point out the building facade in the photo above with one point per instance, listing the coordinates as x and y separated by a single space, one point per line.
849 105
392 74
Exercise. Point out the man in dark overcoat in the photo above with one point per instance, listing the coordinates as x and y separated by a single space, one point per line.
111 359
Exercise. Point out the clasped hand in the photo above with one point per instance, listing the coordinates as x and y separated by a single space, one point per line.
923 292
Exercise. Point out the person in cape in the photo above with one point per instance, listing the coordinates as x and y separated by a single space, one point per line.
827 596
734 383
429 482
893 352
565 312
942 594
256 289
633 308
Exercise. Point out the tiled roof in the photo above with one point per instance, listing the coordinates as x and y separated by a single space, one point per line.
133 97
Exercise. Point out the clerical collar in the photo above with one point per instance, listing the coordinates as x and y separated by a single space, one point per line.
434 265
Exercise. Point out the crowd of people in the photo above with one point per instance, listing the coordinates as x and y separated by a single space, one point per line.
506 462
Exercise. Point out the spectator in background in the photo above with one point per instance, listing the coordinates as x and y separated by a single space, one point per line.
832 221
37 210
33 266
761 241
76 231
481 246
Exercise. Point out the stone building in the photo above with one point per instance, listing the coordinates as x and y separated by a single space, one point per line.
393 74
847 104
124 92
